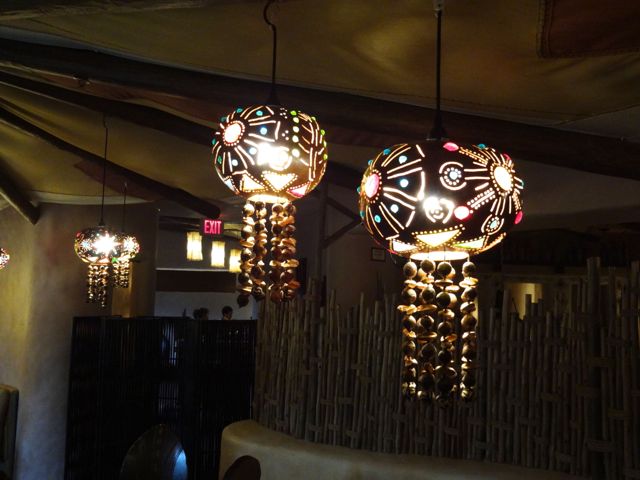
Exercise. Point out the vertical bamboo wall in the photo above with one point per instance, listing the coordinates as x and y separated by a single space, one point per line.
558 389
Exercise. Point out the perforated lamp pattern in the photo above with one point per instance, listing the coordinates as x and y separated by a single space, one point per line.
269 154
440 200
99 248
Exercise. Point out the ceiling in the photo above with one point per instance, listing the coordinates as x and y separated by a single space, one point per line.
165 71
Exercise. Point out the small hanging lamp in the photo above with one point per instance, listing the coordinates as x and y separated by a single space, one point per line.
98 247
4 258
128 251
194 247
438 201
269 154
218 254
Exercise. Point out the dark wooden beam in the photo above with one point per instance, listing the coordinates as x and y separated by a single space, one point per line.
340 232
17 198
346 211
139 114
175 194
348 119
155 119
25 9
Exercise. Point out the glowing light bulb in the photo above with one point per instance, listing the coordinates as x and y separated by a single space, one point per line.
438 209
452 147
503 178
277 157
105 244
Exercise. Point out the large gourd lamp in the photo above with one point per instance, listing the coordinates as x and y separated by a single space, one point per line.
270 155
98 247
439 201
130 248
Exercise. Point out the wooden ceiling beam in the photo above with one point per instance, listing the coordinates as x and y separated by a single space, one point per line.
348 119
15 197
152 118
139 114
26 9
165 191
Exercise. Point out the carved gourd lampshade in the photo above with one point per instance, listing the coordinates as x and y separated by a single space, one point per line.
439 200
269 154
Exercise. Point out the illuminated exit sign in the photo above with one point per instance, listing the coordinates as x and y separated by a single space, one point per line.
212 227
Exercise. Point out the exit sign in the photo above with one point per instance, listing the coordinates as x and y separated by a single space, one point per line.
212 227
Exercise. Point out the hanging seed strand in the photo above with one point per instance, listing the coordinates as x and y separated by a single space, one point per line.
288 248
123 277
121 271
283 264
468 326
446 300
275 271
425 332
102 286
410 363
92 282
246 255
260 251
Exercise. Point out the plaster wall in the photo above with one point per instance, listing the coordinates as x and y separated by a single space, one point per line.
41 290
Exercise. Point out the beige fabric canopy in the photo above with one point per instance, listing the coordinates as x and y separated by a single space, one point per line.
380 49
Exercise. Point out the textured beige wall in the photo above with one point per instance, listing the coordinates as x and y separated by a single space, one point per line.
41 290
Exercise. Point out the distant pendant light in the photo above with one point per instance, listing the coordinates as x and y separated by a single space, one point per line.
4 258
235 260
269 154
217 254
98 246
439 201
129 250
194 247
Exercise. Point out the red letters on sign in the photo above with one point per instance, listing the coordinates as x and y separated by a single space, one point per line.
212 227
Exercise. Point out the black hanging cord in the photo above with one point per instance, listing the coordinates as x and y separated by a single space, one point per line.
438 132
124 206
104 166
273 95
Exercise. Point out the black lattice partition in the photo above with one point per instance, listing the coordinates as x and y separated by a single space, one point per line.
127 375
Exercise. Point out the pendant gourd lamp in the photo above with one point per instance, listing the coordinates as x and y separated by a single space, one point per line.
4 258
271 155
439 201
98 247
128 251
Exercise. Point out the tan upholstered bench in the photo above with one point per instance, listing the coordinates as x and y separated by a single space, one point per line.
284 457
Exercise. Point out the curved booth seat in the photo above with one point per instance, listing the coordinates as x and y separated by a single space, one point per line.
284 457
